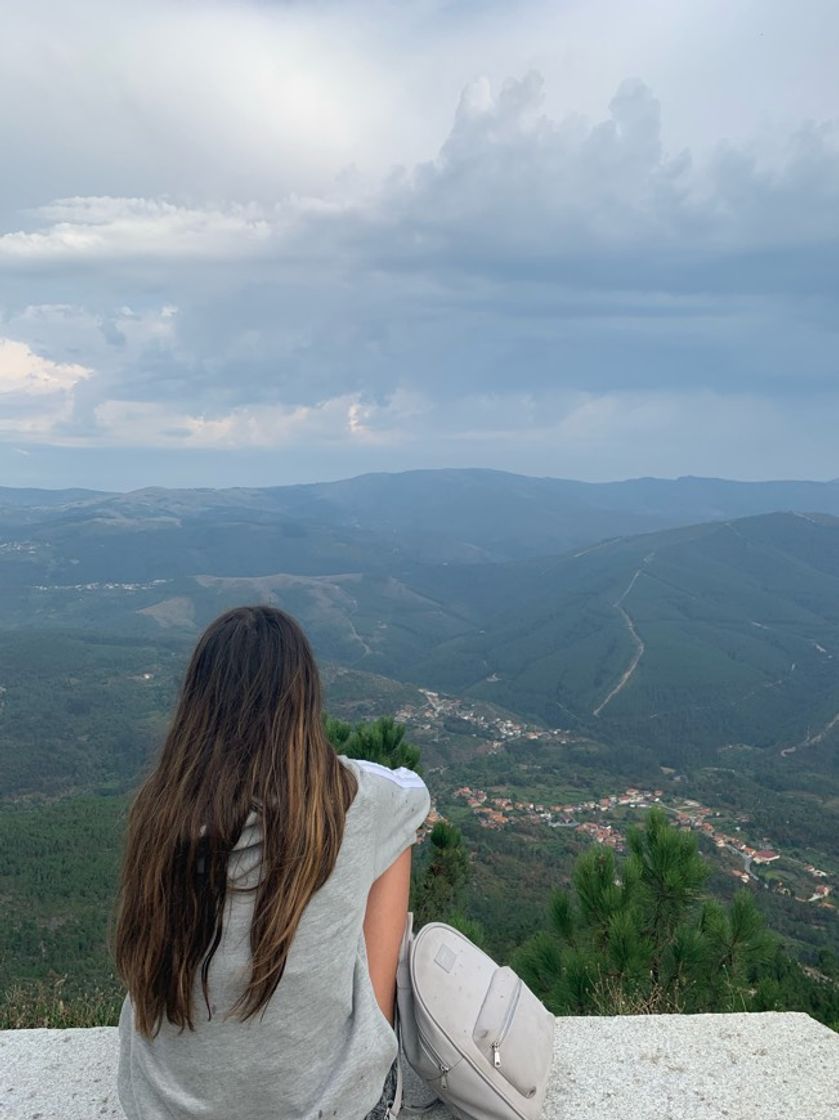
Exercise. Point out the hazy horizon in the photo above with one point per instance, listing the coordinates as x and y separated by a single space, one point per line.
415 470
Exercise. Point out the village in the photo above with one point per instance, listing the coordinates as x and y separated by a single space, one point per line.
109 586
604 820
496 729
608 817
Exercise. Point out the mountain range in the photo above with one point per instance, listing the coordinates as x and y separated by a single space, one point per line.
553 599
455 515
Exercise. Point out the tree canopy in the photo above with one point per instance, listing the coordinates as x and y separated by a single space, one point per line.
639 934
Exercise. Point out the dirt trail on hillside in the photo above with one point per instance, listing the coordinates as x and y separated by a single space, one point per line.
636 638
811 740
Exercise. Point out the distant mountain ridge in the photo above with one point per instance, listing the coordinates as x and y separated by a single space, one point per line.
38 497
459 515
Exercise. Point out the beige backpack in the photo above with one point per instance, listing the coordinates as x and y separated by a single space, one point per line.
473 1031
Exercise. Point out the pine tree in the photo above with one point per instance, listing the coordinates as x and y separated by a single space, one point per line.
638 937
439 887
382 740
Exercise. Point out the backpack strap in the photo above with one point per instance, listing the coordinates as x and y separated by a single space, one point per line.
403 971
403 979
393 1111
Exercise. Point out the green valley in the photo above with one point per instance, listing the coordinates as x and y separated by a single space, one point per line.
696 665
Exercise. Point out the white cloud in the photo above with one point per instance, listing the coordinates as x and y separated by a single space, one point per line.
36 394
342 419
78 229
248 100
511 188
221 99
25 373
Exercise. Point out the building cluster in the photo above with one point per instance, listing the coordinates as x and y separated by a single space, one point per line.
101 586
602 834
496 812
501 728
695 816
814 871
425 828
28 548
491 812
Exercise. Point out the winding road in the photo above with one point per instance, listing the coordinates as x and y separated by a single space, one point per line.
636 638
811 740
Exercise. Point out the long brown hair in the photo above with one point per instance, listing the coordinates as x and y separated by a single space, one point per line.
247 732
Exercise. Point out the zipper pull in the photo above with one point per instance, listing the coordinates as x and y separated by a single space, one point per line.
444 1081
496 1055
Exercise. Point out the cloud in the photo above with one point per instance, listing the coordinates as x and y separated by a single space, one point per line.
315 224
36 394
148 424
509 187
515 195
250 100
27 374
239 100
96 229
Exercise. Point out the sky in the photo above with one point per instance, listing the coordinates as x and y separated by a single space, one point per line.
258 243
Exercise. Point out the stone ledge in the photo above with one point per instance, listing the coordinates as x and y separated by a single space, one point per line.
649 1067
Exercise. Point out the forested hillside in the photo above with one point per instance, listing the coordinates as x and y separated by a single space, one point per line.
696 666
686 641
80 712
683 641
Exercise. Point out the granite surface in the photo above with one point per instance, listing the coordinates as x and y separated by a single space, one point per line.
656 1067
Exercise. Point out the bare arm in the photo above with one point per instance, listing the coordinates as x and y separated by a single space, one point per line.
384 924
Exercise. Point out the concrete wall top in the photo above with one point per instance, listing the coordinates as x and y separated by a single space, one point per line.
655 1067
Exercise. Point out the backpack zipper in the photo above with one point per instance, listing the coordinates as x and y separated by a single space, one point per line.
505 1026
441 1065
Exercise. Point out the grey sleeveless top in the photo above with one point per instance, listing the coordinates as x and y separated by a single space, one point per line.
322 1048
